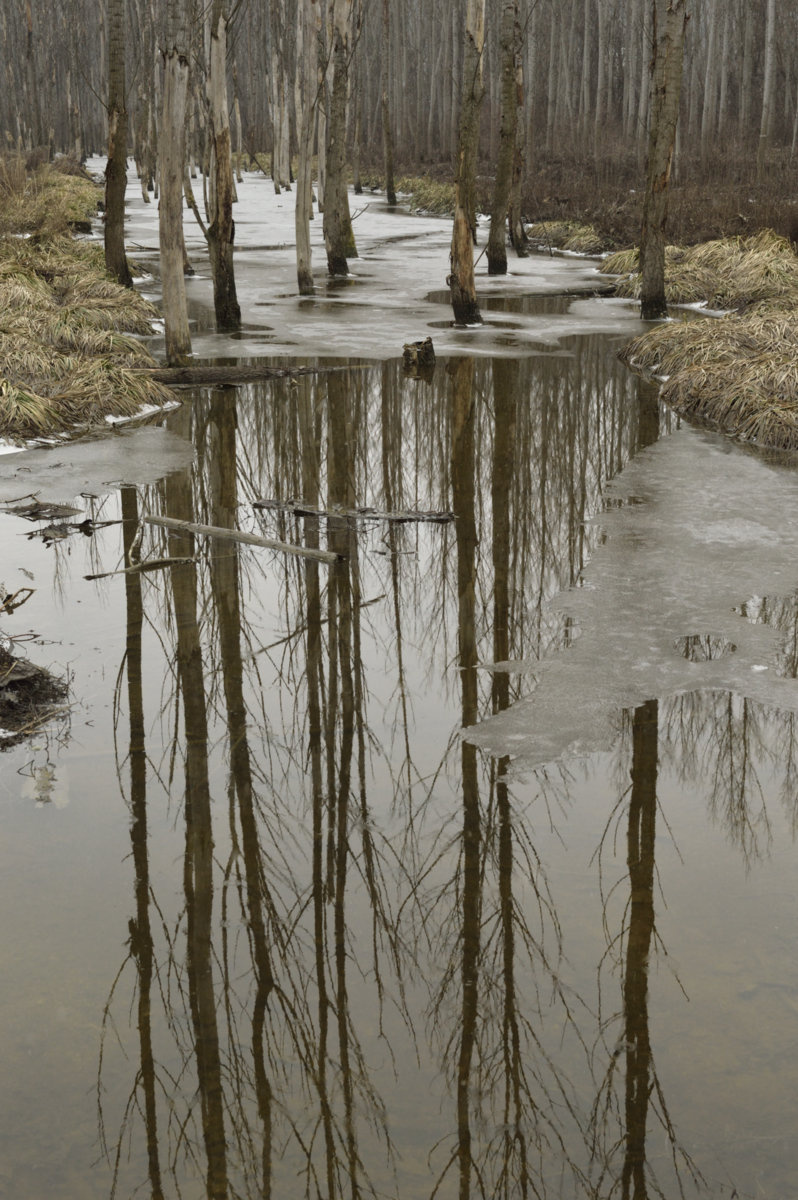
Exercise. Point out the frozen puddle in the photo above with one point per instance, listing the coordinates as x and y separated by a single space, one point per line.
665 606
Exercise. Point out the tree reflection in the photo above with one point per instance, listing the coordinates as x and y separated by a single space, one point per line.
312 884
643 1096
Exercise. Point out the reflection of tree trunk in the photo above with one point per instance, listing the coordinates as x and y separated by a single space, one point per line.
342 541
505 392
198 863
463 504
311 436
140 930
225 585
640 858
391 446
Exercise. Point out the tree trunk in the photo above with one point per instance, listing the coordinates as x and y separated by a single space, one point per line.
387 137
666 83
338 236
221 231
768 90
306 91
116 169
461 279
172 156
497 241
518 238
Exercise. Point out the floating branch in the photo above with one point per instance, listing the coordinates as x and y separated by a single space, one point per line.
249 539
151 564
361 513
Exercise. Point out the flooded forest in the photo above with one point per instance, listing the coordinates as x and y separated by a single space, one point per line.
398 712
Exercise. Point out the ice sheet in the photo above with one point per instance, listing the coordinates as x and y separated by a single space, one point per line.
383 303
711 527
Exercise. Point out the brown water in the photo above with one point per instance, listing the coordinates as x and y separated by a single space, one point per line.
267 917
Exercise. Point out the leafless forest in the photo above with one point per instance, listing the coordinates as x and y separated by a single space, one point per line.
584 78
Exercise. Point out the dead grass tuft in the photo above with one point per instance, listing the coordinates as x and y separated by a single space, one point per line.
568 235
725 274
68 354
737 373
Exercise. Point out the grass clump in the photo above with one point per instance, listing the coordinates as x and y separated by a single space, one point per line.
68 354
568 235
727 274
425 195
737 373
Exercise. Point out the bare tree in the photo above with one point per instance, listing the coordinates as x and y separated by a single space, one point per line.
461 279
338 237
172 158
221 231
116 169
666 85
497 247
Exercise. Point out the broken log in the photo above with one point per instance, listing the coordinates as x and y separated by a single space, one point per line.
244 373
248 539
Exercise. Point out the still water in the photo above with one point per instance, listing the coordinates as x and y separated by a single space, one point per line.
272 927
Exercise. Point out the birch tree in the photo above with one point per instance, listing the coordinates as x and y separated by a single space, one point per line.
666 83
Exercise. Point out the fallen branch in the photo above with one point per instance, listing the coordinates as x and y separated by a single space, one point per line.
249 539
151 564
363 513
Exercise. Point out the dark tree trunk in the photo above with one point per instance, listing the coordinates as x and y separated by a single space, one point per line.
666 86
221 230
497 240
116 169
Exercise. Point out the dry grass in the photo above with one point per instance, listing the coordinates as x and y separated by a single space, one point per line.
568 235
727 274
68 354
738 373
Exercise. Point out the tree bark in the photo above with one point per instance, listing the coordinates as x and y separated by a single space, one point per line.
306 92
221 231
461 279
387 136
768 90
497 240
116 168
170 213
339 239
666 83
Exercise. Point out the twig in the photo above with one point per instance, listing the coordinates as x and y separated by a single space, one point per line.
152 564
